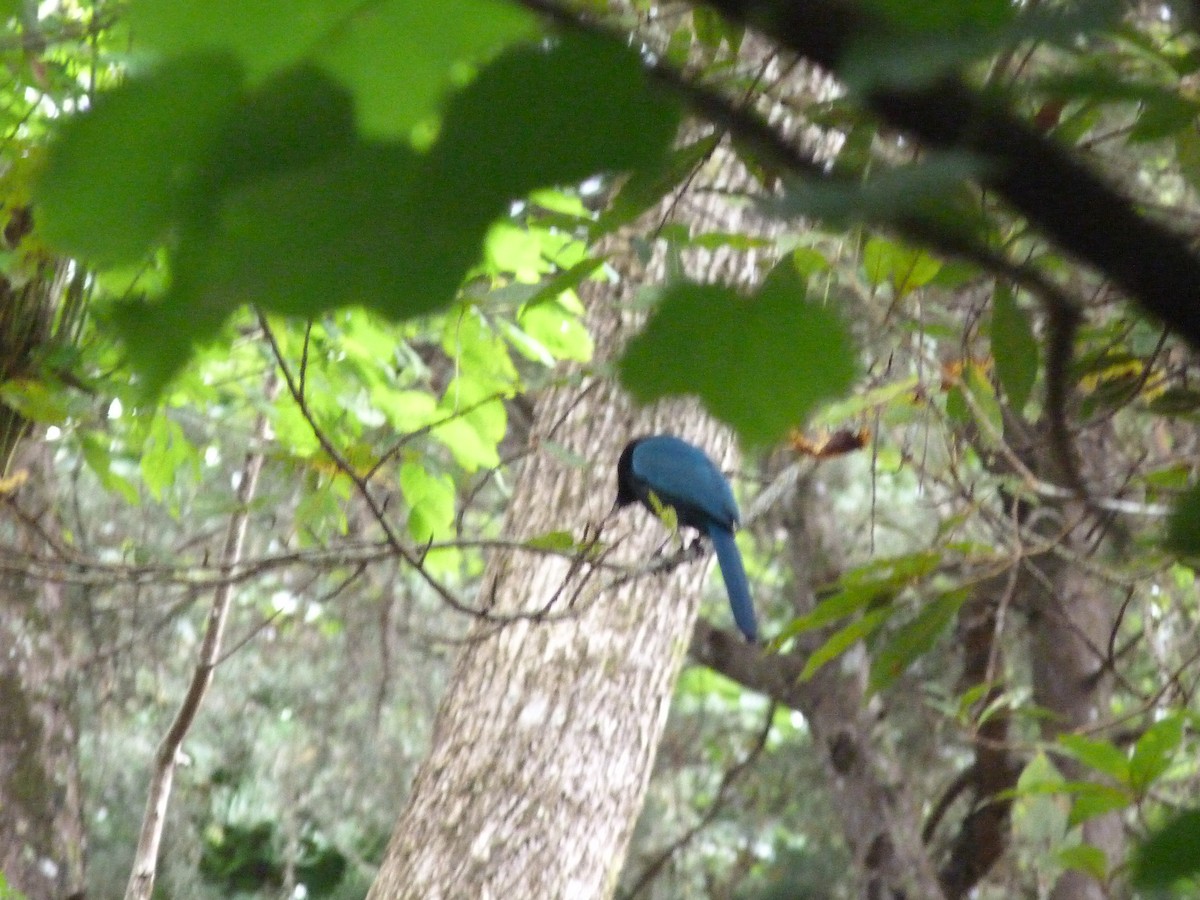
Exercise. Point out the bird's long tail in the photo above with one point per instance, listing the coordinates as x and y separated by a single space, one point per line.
736 584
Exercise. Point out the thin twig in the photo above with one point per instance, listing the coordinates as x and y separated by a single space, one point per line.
145 860
731 776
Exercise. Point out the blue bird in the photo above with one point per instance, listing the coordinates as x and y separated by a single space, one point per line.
682 477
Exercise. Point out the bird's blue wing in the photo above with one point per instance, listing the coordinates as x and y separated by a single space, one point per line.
680 473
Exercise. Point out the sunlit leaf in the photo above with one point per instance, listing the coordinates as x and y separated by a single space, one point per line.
430 498
264 36
398 56
405 410
165 451
561 541
562 333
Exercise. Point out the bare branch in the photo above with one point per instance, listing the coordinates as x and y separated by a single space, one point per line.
145 860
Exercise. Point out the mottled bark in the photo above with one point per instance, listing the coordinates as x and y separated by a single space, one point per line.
42 840
544 742
1070 620
1069 632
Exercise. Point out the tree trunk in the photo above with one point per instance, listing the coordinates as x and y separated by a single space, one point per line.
1070 621
544 742
42 836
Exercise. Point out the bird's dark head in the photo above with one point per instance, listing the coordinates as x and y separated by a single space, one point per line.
626 483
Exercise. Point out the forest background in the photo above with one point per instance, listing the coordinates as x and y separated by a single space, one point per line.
323 324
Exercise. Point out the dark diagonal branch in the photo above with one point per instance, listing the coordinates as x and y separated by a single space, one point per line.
1042 180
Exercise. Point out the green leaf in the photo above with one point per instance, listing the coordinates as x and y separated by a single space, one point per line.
1175 401
393 230
708 26
1091 800
837 606
320 511
703 682
942 15
761 364
974 399
430 501
913 639
935 186
905 268
479 352
293 432
165 451
1153 752
1100 755
265 36
1171 853
294 120
647 186
406 411
35 400
561 541
120 176
1183 526
922 41
1085 858
1187 153
98 457
560 332
873 582
398 56
1014 347
527 252
474 435
843 639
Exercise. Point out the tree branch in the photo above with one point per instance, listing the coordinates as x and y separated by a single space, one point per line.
1042 180
145 860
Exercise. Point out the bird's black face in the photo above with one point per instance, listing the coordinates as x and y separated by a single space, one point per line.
626 484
